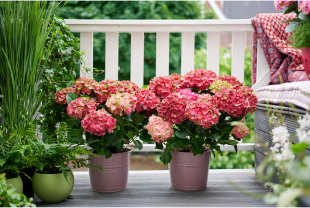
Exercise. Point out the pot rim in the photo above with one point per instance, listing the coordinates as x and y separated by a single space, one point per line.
189 152
114 153
51 173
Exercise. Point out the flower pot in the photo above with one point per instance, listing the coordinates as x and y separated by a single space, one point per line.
52 188
305 52
27 182
17 183
189 172
115 175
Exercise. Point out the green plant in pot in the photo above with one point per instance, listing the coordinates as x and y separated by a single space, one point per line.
198 112
112 114
53 180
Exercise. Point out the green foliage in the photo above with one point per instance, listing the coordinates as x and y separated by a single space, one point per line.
301 36
9 197
23 35
138 10
232 160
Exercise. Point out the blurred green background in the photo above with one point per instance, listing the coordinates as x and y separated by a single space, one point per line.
162 10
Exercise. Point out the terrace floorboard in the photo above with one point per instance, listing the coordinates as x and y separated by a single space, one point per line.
152 189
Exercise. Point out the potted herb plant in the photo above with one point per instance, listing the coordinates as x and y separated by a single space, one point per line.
112 114
197 113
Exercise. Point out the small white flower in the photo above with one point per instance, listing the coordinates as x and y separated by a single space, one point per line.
280 134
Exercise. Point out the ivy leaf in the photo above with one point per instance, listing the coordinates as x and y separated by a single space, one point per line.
137 118
70 97
166 157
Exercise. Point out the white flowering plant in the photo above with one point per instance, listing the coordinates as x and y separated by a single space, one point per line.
289 162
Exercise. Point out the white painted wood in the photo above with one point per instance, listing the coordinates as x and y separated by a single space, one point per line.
264 81
213 52
188 52
162 54
86 46
262 65
238 50
111 55
241 147
137 58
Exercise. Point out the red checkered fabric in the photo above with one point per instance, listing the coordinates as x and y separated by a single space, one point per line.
282 58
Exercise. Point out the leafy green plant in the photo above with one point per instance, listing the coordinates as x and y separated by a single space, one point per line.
301 36
9 197
232 160
23 35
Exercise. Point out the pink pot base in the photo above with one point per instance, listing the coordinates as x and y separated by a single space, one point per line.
110 189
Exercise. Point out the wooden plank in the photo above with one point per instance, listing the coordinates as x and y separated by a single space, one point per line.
86 46
162 54
262 65
137 58
238 50
188 52
111 56
213 52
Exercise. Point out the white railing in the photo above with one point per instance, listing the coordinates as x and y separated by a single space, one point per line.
162 28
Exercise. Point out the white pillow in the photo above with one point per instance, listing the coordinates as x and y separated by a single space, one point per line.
296 93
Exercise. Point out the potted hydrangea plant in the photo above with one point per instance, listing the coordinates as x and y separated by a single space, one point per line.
112 114
197 113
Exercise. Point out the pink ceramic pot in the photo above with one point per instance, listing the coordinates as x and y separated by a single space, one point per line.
189 172
116 170
306 59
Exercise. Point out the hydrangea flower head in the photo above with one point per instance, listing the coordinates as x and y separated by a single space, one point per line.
304 7
164 85
146 100
240 131
121 102
200 78
218 85
231 80
106 88
61 95
128 87
98 122
282 4
191 96
84 85
79 107
159 129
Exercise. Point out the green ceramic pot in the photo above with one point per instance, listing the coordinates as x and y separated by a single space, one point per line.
17 183
52 188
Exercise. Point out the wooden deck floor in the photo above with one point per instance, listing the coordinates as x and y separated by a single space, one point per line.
152 189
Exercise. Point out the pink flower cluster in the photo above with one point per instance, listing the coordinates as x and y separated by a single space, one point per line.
121 102
219 85
240 131
98 122
203 111
172 108
231 80
237 101
128 86
163 86
84 85
191 96
159 129
146 100
304 7
282 4
200 78
80 107
61 95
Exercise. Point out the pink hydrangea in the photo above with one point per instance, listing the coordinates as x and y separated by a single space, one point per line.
237 101
172 108
231 80
146 100
106 88
98 122
60 96
304 7
121 102
219 85
282 4
84 85
240 131
128 86
191 96
159 129
164 85
200 78
203 111
79 107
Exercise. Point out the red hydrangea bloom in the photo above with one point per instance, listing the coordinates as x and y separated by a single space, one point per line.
128 86
164 85
219 85
237 102
240 131
231 80
201 78
159 129
106 88
191 96
60 96
98 122
84 85
147 100
79 107
203 111
172 108
121 102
